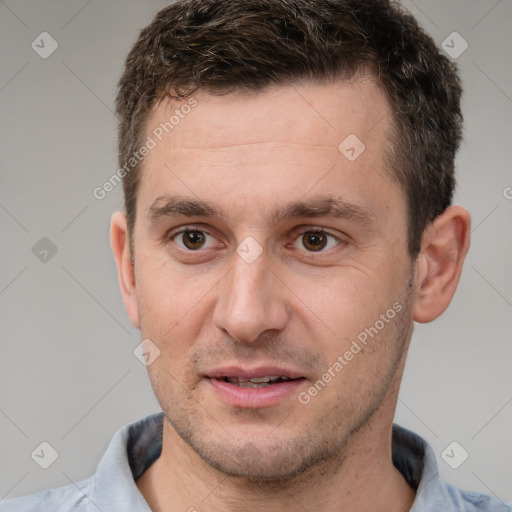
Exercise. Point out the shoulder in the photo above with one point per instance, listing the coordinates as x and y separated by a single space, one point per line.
132 449
468 501
416 460
68 498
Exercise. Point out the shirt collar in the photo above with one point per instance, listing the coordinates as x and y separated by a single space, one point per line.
416 460
131 451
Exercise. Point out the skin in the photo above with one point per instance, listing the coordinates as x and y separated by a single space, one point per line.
249 155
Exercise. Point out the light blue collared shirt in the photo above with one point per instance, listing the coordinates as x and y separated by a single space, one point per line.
135 447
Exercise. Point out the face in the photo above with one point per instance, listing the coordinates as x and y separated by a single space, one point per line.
265 249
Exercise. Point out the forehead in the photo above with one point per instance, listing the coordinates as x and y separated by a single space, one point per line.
307 114
278 143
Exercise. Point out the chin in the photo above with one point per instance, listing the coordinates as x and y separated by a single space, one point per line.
262 459
272 464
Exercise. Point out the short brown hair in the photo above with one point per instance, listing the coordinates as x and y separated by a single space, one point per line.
218 46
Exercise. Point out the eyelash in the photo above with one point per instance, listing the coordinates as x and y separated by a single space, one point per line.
297 233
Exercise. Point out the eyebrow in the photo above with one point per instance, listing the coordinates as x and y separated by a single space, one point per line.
329 207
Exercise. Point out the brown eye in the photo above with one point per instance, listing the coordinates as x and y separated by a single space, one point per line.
193 240
314 240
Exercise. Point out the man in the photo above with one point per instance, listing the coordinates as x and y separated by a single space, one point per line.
288 178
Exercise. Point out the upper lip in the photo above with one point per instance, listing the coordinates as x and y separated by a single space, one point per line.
253 373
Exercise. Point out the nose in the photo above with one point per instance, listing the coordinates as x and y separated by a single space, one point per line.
251 300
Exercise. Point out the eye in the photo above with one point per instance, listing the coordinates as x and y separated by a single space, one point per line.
316 240
192 239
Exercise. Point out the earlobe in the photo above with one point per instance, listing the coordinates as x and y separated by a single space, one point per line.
119 242
439 265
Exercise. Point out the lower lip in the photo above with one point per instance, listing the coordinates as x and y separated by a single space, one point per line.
253 398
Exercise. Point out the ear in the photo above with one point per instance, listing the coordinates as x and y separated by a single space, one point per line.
119 240
444 247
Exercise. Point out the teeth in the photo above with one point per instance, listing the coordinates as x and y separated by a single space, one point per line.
255 381
258 380
250 384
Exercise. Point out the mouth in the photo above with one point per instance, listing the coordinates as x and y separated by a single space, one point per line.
254 388
256 382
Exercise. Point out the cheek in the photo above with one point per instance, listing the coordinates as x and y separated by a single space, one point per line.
352 318
344 298
174 308
167 293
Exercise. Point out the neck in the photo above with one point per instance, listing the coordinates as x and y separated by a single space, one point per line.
362 478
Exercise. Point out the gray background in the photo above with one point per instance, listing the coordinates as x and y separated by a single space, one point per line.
68 373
